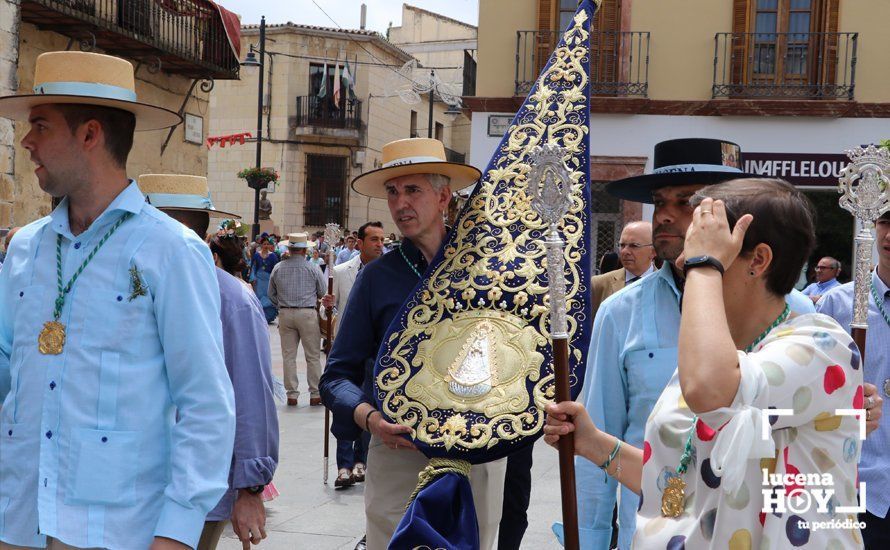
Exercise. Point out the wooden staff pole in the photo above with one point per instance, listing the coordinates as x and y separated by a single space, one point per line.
332 231
549 171
329 340
566 449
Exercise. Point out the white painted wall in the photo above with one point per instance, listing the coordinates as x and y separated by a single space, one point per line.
636 135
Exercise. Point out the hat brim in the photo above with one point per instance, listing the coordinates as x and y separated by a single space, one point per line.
213 213
640 188
148 117
370 184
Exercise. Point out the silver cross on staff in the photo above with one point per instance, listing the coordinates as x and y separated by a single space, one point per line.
550 188
865 192
331 236
551 194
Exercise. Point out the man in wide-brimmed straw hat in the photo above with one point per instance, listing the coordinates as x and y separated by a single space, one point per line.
417 183
109 441
248 362
295 286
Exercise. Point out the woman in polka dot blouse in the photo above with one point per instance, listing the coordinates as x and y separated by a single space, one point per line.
714 471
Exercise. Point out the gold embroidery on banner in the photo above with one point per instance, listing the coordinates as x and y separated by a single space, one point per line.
479 329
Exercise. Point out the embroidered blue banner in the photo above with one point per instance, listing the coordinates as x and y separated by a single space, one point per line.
467 362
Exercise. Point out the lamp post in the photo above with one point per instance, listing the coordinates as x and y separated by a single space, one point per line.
252 61
436 87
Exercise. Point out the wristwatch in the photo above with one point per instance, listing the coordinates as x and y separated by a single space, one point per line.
702 261
255 490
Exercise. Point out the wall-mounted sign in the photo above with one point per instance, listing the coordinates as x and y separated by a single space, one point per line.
194 129
498 124
822 170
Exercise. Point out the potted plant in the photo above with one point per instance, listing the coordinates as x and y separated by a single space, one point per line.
259 178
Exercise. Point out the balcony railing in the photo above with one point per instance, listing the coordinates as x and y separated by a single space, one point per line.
323 112
619 61
785 65
178 36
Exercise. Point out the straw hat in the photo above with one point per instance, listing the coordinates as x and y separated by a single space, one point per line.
297 240
180 192
87 79
414 156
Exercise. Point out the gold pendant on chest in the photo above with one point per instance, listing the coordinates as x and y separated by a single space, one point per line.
673 500
52 338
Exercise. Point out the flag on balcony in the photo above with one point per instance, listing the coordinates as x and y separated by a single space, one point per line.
467 362
337 86
348 81
323 89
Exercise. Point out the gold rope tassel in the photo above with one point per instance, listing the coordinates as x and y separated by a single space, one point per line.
438 467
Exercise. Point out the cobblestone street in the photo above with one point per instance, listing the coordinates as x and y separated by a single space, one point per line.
311 515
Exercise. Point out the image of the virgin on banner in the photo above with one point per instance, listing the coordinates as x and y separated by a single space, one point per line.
467 362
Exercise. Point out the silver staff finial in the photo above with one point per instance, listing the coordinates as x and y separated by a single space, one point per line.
550 188
864 183
865 192
550 183
331 233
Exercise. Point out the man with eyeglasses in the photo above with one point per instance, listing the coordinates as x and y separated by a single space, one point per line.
636 253
827 271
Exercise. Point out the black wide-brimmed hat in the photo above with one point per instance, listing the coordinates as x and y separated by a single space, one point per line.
687 161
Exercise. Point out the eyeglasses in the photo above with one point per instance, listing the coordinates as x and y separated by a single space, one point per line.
633 246
823 268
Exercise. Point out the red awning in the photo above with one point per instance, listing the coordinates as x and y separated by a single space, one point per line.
231 21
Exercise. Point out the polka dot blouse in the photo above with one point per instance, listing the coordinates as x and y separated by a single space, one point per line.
809 365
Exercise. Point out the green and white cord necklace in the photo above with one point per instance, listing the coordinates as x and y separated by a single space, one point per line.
411 265
673 500
879 302
52 338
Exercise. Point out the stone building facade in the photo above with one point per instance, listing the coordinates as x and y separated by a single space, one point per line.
168 73
317 145
449 46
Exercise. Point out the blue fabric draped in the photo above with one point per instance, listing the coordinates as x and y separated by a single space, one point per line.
441 516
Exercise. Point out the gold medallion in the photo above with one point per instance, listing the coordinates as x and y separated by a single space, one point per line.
673 500
52 338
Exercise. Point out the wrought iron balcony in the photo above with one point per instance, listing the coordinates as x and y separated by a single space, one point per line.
184 37
323 112
619 61
815 65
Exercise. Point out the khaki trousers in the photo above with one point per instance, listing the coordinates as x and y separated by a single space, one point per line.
297 325
392 477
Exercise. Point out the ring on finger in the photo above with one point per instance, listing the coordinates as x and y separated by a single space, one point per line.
869 402
868 414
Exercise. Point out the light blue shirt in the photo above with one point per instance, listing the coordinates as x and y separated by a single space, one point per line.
345 255
633 354
91 452
874 469
799 303
819 289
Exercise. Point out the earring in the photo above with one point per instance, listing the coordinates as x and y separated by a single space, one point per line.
751 273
